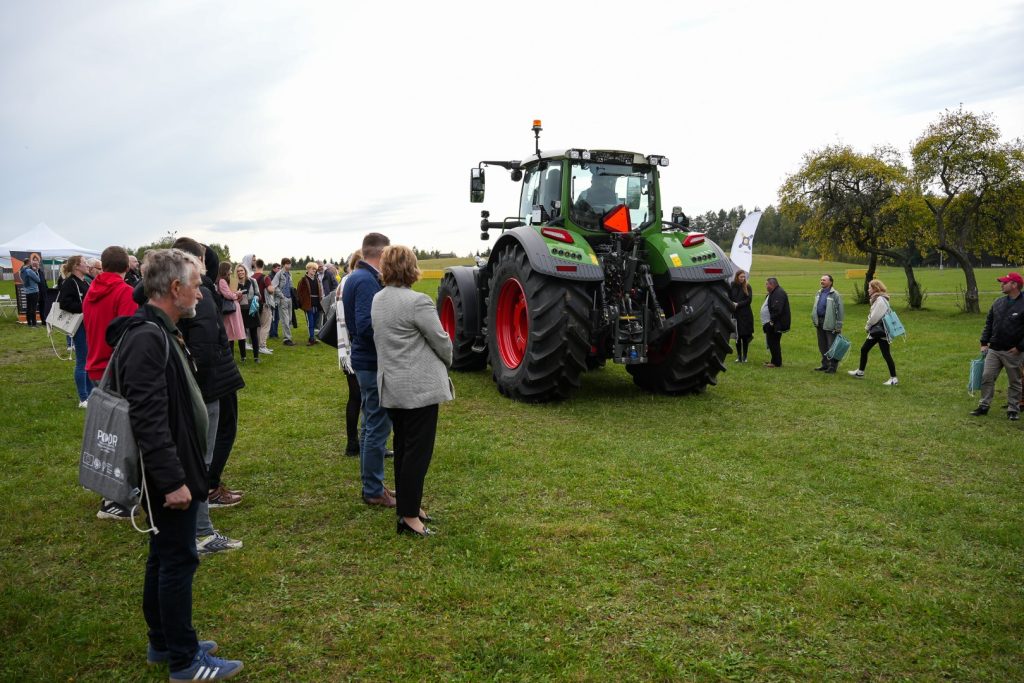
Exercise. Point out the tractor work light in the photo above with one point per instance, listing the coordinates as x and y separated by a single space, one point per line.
574 154
586 154
655 160
557 234
579 154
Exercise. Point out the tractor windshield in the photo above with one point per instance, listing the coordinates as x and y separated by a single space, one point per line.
595 188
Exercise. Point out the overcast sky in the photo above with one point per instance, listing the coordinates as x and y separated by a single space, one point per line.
287 128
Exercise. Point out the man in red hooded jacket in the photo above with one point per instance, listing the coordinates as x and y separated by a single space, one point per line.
110 297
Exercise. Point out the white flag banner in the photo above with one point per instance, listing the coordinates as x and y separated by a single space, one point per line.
743 244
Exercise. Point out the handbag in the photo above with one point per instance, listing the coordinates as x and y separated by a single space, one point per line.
974 376
63 321
228 306
111 464
328 333
877 331
837 351
892 323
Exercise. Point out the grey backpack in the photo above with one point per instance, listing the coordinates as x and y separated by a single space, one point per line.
111 464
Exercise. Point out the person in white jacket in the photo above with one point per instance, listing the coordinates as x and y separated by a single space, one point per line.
877 333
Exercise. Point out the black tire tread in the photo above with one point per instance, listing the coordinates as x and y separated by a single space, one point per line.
464 359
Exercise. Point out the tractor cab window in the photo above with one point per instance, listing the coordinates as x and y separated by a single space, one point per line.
595 188
542 194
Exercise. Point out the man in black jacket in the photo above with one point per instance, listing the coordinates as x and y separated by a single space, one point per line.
1002 342
775 319
169 421
219 380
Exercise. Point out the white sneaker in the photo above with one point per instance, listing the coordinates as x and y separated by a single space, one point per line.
264 349
855 373
83 404
891 382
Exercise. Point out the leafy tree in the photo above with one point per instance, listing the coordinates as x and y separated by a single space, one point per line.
971 184
164 242
847 200
222 251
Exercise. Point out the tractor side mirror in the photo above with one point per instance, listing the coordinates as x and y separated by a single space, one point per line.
476 185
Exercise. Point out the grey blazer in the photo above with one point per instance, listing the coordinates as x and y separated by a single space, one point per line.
413 350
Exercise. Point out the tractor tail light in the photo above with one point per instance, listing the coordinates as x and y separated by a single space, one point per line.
557 234
693 239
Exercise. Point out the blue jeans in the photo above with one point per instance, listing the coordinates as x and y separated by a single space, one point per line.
376 427
167 591
82 381
311 316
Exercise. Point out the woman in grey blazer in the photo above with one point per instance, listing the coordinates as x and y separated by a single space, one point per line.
413 357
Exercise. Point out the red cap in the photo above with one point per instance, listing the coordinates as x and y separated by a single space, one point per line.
1012 277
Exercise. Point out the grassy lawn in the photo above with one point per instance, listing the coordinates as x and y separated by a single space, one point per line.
784 525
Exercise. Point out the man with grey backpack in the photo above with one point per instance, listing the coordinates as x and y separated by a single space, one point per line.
169 421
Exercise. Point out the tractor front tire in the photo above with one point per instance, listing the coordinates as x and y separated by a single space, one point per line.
451 309
690 356
538 332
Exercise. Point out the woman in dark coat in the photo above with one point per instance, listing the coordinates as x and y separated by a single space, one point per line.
741 295
70 297
249 290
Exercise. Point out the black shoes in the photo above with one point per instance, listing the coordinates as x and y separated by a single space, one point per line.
820 369
1012 415
404 528
980 410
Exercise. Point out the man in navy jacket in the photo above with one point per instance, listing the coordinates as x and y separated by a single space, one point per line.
357 300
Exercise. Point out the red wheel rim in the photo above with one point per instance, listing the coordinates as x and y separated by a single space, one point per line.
448 317
512 322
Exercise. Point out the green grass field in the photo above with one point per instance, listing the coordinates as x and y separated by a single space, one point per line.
784 525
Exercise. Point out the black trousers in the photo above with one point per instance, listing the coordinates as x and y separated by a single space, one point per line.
254 338
414 430
883 345
742 346
31 306
167 591
352 414
774 341
825 341
227 430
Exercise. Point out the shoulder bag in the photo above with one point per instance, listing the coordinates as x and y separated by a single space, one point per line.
839 348
892 323
111 464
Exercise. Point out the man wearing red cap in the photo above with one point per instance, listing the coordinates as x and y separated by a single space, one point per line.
1002 342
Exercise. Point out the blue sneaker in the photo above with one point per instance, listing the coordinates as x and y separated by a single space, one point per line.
206 667
155 656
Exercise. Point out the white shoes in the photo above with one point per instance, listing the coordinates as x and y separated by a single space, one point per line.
264 349
83 404
855 373
891 382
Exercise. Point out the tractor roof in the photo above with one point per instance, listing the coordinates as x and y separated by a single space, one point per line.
562 153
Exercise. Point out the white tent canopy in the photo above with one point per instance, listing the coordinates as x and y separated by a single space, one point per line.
49 244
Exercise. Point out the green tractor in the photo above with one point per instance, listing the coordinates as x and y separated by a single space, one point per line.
588 271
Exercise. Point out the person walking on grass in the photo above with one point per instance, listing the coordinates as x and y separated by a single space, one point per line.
357 302
877 334
827 316
168 418
775 320
741 295
1002 342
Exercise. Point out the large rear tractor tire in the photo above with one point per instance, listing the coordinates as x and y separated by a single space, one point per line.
451 308
538 330
690 357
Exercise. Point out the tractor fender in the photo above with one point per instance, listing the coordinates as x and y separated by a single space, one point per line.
671 261
466 278
537 251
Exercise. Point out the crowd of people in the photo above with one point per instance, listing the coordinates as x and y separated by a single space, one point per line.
167 328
